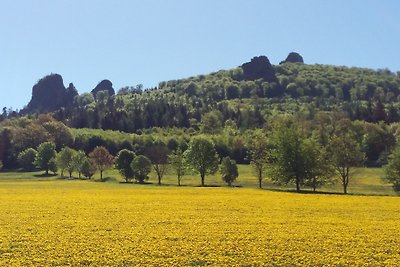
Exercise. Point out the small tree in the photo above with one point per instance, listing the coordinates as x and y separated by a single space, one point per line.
392 169
65 160
229 170
318 169
53 166
288 157
77 162
202 156
123 163
45 156
102 159
88 169
177 162
26 159
345 154
258 153
141 166
158 155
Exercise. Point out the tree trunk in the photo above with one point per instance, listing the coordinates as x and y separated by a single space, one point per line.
202 180
159 180
70 174
101 175
79 175
297 185
179 181
260 182
47 171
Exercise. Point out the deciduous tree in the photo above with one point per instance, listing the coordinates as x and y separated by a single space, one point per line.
202 157
229 170
123 163
26 159
177 162
45 157
102 159
141 166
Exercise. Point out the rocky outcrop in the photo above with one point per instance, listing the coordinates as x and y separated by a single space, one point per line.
293 57
50 94
259 68
104 85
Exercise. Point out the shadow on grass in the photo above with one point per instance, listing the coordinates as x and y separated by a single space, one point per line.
44 175
308 192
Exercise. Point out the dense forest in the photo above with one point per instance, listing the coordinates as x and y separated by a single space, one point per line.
230 107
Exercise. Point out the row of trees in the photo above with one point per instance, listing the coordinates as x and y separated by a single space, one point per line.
201 156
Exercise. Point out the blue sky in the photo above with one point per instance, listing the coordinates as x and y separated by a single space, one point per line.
148 41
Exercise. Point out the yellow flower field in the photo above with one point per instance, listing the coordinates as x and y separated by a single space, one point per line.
80 223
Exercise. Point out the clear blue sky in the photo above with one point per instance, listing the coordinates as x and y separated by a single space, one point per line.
148 41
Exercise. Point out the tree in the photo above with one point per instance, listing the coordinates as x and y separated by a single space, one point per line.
141 166
88 169
26 159
123 163
177 162
102 159
259 156
345 154
229 170
78 160
392 169
60 133
65 160
158 155
1 165
288 157
202 157
318 170
211 122
45 156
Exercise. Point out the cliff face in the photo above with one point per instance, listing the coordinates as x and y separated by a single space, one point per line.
259 68
50 94
104 85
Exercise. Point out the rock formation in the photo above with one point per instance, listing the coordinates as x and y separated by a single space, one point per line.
259 68
104 85
50 94
293 57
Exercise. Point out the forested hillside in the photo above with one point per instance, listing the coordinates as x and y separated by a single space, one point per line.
319 103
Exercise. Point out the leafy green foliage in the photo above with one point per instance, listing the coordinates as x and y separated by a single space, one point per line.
88 169
141 166
78 159
229 170
345 154
259 155
202 157
177 162
123 163
392 170
45 157
65 160
26 159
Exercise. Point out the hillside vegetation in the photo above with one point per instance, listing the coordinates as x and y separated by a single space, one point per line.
299 115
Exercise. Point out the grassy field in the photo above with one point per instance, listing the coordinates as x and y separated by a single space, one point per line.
364 181
46 221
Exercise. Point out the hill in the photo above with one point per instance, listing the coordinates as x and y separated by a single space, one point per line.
247 95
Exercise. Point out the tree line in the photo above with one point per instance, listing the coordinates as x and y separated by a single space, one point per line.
285 154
